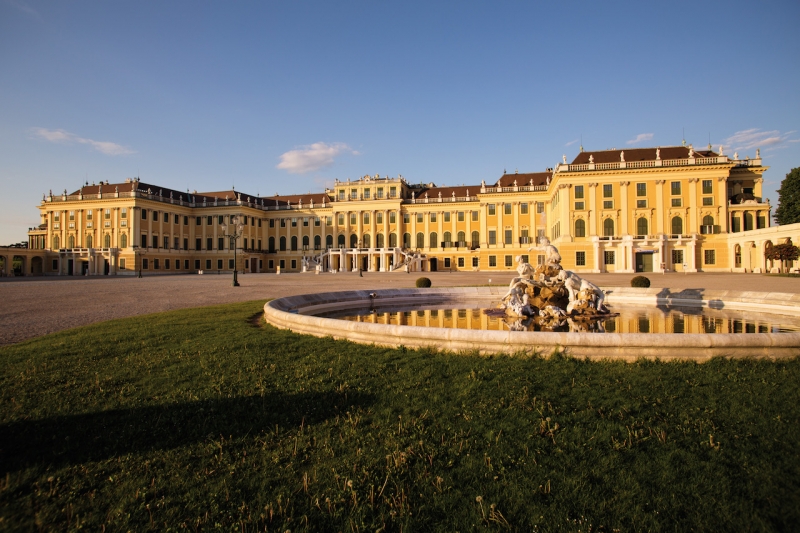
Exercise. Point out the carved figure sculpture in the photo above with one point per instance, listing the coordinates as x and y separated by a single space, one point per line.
551 256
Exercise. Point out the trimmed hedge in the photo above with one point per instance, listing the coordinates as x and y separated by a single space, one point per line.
640 281
423 282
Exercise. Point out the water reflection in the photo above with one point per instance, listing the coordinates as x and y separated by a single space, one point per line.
623 320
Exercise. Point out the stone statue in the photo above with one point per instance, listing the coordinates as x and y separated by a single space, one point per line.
622 156
591 158
551 256
720 150
736 156
758 153
564 158
658 153
691 151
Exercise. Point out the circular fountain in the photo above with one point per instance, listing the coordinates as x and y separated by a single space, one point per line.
547 309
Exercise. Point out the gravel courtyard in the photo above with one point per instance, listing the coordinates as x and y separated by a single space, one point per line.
37 306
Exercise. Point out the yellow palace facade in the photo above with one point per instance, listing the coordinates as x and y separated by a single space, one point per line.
644 209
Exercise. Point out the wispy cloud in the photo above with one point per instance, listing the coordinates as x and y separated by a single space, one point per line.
22 6
65 137
572 142
313 157
756 138
640 138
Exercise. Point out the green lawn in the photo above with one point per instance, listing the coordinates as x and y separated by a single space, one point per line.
206 419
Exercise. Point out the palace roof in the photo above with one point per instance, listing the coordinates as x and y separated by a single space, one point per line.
525 179
640 154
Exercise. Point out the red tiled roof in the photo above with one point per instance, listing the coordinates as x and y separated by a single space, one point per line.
447 192
272 201
640 154
539 178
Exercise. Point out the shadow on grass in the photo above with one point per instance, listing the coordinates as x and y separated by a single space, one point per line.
75 439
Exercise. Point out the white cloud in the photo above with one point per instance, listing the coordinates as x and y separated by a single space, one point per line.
755 138
61 136
312 157
572 142
641 137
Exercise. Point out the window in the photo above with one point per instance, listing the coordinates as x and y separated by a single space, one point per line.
392 217
608 204
579 206
155 241
379 218
641 227
708 200
219 264
186 264
447 262
492 236
186 222
220 243
461 239
675 187
492 210
166 215
419 218
393 240
540 207
761 222
366 194
166 242
608 227
677 225
707 188
406 240
209 220
677 257
230 264
176 219
145 263
379 193
305 241
434 238
509 261
259 222
475 262
461 216
608 257
447 217
166 264
177 243
197 264
144 214
676 202
156 265
580 228
507 236
209 243
294 222
748 221
353 194
316 221
341 194
474 216
89 215
340 219
476 238
282 264
523 208
123 240
492 260
507 209
709 256
420 240
460 262
317 242
736 224
580 258
198 221
641 204
579 191
186 246
608 190
392 192
294 243
197 245
641 189
121 264
406 218
379 240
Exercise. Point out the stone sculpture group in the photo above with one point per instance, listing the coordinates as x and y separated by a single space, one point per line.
551 295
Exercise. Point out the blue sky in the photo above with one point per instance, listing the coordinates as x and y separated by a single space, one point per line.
285 97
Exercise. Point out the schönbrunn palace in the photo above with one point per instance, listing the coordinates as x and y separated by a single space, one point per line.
635 210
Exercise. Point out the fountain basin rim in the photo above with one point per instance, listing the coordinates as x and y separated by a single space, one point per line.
293 313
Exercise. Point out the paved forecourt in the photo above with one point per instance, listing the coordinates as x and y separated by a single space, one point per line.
37 306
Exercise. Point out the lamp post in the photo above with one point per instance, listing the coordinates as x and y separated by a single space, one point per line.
137 250
233 231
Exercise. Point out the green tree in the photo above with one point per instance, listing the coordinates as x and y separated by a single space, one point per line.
782 252
788 211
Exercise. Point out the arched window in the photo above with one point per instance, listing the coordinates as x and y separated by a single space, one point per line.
476 239
89 241
379 240
580 228
748 221
641 226
283 244
123 240
406 240
708 220
353 240
271 244
393 240
294 243
107 241
317 242
677 225
366 241
71 241
462 238
446 238
329 241
56 242
341 241
608 227
420 240
305 242
434 240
